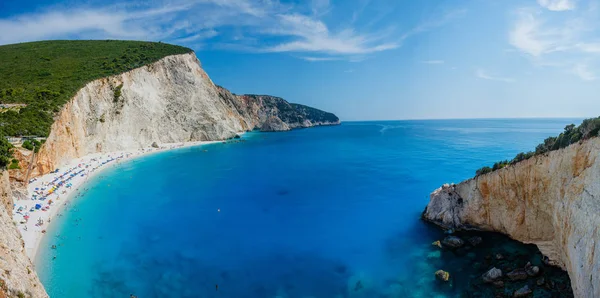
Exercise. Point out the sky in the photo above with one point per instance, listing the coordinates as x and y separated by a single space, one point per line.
361 59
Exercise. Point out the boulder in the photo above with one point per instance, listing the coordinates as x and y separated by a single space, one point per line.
499 257
437 243
492 275
517 274
523 292
532 270
154 145
442 275
475 240
540 281
498 284
453 242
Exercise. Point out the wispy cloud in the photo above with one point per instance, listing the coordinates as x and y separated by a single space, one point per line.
557 5
433 62
482 74
566 41
267 26
435 22
583 71
316 59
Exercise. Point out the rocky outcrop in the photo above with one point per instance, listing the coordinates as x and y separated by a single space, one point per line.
17 276
170 101
551 200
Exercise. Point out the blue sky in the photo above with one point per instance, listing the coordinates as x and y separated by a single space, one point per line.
362 59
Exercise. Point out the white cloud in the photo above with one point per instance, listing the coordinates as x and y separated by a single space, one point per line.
316 59
557 5
480 73
311 35
568 42
243 25
534 37
433 62
583 71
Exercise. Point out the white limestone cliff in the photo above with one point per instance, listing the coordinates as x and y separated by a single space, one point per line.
552 201
17 274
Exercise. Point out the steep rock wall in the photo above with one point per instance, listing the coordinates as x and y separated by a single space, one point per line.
17 276
552 201
172 100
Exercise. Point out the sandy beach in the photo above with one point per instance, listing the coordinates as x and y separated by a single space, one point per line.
49 194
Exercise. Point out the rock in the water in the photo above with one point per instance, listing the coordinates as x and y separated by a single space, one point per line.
453 242
437 243
517 274
492 275
442 275
475 240
498 284
522 292
532 270
540 281
154 145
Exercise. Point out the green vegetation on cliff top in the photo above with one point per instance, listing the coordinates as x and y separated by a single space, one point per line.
44 75
572 134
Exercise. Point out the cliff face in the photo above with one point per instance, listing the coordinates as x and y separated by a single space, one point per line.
17 276
552 201
172 100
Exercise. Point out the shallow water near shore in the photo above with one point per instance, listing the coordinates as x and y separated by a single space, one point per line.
321 212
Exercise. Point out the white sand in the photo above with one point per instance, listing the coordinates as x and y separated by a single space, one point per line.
89 165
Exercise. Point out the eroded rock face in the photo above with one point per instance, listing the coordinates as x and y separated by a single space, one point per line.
170 101
17 275
552 201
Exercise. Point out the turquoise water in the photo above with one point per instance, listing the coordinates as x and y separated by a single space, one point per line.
321 212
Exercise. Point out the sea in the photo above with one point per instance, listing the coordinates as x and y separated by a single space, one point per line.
322 212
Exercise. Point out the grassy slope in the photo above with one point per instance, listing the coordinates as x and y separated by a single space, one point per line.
46 74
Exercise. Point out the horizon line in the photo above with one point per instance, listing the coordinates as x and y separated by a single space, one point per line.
481 118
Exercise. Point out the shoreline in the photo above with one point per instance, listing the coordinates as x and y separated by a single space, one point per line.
70 177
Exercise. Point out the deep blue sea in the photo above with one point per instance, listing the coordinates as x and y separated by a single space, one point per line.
320 212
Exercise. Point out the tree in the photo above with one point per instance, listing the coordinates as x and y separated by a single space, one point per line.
5 151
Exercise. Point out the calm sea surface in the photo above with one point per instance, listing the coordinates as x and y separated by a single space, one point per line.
321 212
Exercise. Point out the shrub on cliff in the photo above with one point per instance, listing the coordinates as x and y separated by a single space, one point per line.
5 151
589 128
46 74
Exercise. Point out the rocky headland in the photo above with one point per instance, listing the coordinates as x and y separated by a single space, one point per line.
551 200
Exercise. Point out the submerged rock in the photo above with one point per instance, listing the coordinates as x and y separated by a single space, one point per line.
442 275
498 284
437 243
492 275
453 242
517 274
523 292
532 270
540 281
475 240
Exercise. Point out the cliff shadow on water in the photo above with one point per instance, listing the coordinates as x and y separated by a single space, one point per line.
472 257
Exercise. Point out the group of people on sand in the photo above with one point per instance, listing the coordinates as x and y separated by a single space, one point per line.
44 195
